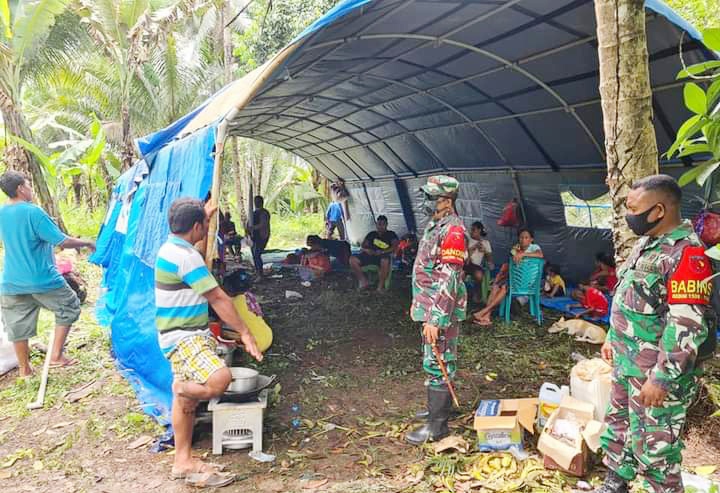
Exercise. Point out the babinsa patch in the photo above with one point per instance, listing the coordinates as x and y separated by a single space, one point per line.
687 284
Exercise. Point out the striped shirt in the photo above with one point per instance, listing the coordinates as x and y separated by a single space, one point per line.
181 279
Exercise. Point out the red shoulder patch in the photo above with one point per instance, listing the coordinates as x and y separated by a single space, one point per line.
452 249
687 284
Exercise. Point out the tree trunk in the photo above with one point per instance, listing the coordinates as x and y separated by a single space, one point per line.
17 157
127 154
626 96
242 206
77 190
232 151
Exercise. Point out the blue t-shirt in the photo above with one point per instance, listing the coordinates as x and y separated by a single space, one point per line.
28 236
335 212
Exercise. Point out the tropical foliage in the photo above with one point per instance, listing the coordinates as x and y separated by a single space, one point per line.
699 136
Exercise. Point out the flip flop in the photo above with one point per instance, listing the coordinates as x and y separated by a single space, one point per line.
70 362
204 468
482 323
209 479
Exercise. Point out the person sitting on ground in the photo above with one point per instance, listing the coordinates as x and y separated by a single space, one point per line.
30 279
479 256
603 277
592 299
183 288
524 249
406 251
339 249
554 283
314 259
377 249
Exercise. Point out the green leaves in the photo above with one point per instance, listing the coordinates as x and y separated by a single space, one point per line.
711 38
699 173
698 68
695 98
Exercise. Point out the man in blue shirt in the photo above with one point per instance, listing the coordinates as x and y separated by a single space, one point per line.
30 280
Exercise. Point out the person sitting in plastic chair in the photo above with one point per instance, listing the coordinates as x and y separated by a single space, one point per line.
377 250
524 249
479 261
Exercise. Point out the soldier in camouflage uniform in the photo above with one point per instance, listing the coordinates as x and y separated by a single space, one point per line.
439 299
657 326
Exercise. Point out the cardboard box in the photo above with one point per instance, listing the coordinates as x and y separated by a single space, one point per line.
571 455
500 423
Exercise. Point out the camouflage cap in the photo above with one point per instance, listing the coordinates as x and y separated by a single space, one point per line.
441 185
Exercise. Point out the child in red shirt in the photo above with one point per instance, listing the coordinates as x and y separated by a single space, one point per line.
593 300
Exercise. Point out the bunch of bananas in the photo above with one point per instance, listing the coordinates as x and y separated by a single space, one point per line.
502 472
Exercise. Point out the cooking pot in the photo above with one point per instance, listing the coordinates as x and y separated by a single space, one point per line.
243 379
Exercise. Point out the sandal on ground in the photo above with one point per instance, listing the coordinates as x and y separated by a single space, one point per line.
63 364
209 479
482 322
202 468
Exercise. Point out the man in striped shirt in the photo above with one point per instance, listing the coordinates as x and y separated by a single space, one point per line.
183 288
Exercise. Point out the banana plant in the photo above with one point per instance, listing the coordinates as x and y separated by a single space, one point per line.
77 163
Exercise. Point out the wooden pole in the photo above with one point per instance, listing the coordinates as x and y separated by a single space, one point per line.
211 244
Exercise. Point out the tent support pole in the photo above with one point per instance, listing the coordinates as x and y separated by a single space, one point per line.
518 192
211 242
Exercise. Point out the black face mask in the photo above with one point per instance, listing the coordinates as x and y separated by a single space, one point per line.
639 224
429 205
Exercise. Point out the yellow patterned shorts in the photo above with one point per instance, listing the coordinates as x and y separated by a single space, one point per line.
195 358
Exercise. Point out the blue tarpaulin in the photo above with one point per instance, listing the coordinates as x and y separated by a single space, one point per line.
135 228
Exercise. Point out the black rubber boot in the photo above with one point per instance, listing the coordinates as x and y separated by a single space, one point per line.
613 484
436 428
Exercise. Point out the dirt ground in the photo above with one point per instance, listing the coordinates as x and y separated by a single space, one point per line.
349 360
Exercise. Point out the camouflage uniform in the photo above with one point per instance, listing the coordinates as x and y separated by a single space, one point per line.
439 294
657 325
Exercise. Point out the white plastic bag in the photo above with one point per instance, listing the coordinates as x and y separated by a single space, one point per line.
590 381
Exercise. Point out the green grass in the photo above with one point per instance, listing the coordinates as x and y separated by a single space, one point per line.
290 231
80 221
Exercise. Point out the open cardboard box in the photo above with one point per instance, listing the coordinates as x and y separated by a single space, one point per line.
571 458
500 423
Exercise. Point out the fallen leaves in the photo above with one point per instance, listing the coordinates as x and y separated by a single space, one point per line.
452 442
139 442
61 424
313 485
705 471
83 390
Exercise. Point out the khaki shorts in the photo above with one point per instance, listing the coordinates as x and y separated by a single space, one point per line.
20 311
195 358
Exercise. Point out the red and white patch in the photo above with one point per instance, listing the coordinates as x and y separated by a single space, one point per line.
452 249
687 284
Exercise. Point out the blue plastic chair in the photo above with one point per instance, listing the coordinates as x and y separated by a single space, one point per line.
525 279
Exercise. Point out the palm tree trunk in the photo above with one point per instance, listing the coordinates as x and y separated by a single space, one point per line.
627 106
20 159
127 154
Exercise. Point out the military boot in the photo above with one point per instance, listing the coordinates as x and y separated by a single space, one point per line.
613 484
436 428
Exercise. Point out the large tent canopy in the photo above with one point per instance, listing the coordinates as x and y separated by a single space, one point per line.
502 94
399 88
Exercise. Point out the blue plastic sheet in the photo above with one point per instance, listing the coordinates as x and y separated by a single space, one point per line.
134 229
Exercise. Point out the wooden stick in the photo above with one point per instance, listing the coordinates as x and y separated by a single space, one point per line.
215 199
443 369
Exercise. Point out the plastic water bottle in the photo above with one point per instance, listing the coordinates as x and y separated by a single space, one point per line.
295 421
